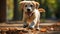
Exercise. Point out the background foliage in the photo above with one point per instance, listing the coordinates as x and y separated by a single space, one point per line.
52 8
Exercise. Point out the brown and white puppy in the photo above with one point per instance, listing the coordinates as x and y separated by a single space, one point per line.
31 13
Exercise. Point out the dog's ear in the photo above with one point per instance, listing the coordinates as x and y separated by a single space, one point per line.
37 5
21 5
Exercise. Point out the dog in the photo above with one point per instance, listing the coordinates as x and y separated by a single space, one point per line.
31 14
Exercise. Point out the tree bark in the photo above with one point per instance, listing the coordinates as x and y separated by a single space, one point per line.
2 10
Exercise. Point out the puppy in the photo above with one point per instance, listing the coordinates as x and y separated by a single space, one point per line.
31 15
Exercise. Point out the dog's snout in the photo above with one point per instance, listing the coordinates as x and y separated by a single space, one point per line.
28 9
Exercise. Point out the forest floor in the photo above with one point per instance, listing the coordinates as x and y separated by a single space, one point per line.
51 27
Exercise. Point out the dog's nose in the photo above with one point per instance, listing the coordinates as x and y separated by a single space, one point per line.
28 9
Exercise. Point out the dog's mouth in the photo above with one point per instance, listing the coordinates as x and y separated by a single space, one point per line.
29 13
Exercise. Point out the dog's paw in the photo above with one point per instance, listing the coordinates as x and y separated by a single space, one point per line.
24 26
38 29
30 28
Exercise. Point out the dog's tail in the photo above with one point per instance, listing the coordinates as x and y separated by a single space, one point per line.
41 10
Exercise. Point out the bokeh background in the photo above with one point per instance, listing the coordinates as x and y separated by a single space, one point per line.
13 13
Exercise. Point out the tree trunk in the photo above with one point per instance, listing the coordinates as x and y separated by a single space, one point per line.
15 13
18 15
57 14
2 10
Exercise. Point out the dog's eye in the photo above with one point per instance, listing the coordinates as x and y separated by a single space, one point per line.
31 5
25 5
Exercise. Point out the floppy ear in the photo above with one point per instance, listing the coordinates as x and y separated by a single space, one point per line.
21 5
37 5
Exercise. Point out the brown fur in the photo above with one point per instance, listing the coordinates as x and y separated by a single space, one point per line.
41 10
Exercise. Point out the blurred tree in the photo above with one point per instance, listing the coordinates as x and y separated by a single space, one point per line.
57 13
10 7
52 8
2 11
15 16
18 15
44 4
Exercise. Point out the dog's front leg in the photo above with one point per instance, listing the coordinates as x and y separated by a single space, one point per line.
24 19
33 24
25 24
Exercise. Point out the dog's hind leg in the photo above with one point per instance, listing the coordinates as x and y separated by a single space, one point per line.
37 26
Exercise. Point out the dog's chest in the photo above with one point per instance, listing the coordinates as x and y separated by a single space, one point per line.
30 19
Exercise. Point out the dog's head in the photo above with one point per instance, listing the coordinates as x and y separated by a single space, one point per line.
29 6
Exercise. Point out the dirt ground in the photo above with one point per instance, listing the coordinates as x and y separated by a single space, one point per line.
45 28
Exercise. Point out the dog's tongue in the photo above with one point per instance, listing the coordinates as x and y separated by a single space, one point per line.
29 13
